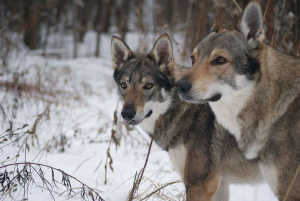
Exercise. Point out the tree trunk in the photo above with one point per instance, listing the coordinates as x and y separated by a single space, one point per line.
97 52
169 13
122 15
84 15
107 10
98 24
139 13
75 27
269 20
190 31
200 24
31 30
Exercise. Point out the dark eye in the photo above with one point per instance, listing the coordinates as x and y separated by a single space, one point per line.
123 85
219 61
193 59
148 85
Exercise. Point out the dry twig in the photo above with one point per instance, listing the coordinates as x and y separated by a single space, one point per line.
292 184
139 177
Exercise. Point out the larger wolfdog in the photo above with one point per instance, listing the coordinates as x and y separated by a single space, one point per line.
254 92
202 152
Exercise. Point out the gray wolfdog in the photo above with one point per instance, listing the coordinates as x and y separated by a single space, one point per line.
206 157
253 91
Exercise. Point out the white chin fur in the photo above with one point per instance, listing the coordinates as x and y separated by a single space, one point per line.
157 108
231 104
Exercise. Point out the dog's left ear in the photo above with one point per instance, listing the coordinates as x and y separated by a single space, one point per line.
120 52
251 23
162 52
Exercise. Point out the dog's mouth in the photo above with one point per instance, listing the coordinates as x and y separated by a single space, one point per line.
189 99
185 97
133 123
214 98
136 122
149 114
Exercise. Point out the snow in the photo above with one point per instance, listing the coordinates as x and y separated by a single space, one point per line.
82 115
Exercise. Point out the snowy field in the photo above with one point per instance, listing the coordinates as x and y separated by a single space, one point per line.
71 103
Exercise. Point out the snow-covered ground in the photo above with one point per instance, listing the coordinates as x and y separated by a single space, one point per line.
77 99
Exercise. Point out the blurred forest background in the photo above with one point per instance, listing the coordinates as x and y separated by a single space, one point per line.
33 21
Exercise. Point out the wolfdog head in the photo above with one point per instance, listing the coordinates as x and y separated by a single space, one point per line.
143 80
225 62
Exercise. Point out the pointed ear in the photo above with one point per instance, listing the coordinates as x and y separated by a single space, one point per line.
219 23
251 23
162 52
120 52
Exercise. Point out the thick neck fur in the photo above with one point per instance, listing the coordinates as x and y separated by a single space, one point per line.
171 112
280 78
276 87
178 118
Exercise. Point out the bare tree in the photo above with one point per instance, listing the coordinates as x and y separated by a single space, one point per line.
98 25
121 17
31 14
84 14
139 10
189 35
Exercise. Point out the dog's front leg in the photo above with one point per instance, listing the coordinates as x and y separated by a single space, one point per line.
204 190
222 193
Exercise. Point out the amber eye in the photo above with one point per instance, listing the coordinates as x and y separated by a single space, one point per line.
148 85
123 85
193 59
219 61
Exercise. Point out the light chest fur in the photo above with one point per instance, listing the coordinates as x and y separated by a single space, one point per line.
178 157
178 153
226 114
229 107
270 175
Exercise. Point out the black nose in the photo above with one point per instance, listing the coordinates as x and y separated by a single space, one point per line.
183 86
128 113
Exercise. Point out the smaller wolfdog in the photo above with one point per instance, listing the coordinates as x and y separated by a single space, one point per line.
254 91
203 153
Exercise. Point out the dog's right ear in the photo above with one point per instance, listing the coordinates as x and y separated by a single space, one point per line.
120 52
219 24
251 23
162 52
